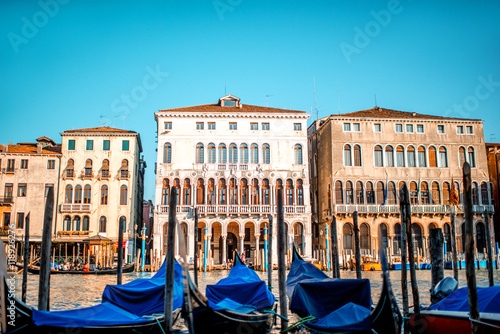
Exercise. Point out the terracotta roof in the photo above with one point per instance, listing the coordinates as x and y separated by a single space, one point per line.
99 129
46 139
378 112
31 148
245 108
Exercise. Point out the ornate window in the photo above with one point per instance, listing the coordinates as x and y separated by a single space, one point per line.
422 158
443 157
339 199
123 195
471 157
300 192
400 156
211 153
254 154
233 154
199 153
266 154
357 155
378 156
78 194
432 156
360 194
244 153
87 193
222 154
104 195
411 156
68 194
347 155
389 156
165 192
297 154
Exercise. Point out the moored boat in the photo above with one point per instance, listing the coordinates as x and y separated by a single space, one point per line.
127 268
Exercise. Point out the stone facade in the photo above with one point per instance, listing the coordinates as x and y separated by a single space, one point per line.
360 160
228 160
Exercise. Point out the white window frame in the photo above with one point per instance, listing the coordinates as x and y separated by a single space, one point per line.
375 127
396 128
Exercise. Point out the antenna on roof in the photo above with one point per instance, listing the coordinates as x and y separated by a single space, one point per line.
315 107
375 100
267 96
100 120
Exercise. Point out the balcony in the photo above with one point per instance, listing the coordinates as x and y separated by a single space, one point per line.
418 209
87 174
8 170
69 174
124 175
74 208
236 209
104 175
6 199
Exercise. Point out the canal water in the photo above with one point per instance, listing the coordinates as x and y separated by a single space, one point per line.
77 291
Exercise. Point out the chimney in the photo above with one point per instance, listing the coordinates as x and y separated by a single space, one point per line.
5 148
39 148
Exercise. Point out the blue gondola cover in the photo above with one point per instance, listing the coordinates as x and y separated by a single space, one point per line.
146 296
488 300
350 317
98 315
243 286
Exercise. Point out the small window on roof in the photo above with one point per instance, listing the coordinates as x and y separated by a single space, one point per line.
229 103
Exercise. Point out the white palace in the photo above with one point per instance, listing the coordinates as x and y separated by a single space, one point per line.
228 160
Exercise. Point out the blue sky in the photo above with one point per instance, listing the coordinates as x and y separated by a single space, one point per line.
76 64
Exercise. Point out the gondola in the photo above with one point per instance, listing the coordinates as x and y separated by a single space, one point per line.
339 305
127 268
227 316
123 313
451 314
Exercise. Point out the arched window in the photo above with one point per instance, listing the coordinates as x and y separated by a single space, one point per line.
222 153
436 193
105 169
233 192
447 236
87 193
254 154
186 192
349 195
446 193
360 193
417 232
165 192
475 194
279 185
244 191
297 154
422 158
211 191
222 191
70 167
102 224
397 239
289 192
391 193
104 195
413 193
443 157
300 192
123 195
244 153
78 194
68 194
67 223
424 191
411 156
400 156
471 157
167 153
347 236
266 154
211 153
233 154
88 168
480 238
200 191
357 155
86 223
364 236
199 153
389 156
76 223
461 157
255 192
339 199
347 155
380 192
484 194
460 197
385 240
124 169
177 185
378 156
370 193
265 192
432 156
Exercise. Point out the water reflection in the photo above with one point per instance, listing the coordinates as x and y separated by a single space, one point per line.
76 291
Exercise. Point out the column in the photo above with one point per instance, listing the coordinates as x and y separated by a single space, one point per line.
257 250
242 243
209 249
224 246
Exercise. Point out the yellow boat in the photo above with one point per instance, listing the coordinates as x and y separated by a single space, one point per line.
368 263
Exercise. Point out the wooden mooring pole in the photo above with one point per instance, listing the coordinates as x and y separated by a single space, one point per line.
454 246
44 285
335 248
270 253
170 261
281 262
489 252
26 257
437 267
195 245
356 244
469 249
411 258
120 252
403 201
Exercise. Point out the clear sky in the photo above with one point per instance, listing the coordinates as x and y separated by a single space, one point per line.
77 64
